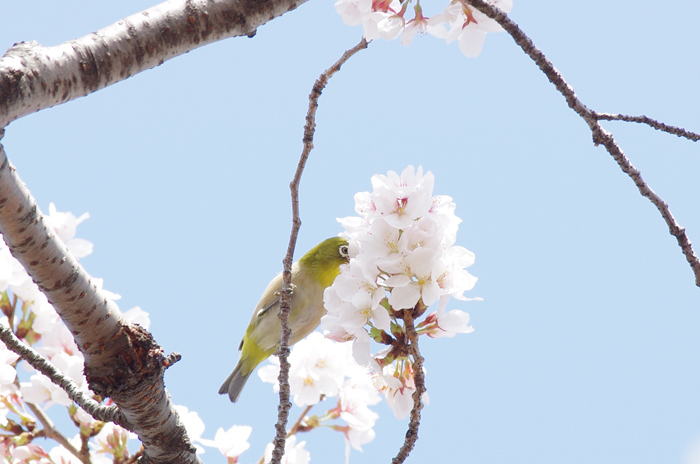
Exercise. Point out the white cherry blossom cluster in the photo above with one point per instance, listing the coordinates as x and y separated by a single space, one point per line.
403 257
387 19
322 369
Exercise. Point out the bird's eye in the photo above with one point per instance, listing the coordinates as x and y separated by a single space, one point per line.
344 252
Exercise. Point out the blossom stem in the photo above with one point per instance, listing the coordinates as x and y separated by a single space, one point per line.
51 432
297 424
419 379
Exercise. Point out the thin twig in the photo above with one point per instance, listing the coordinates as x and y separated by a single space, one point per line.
85 444
135 457
92 407
51 432
285 297
297 424
419 380
600 135
679 131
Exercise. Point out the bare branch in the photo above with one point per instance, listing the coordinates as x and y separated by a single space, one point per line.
285 298
33 77
600 135
679 131
92 407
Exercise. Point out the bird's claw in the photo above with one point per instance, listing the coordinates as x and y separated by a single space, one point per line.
290 290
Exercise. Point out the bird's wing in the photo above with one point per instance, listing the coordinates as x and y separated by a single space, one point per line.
264 326
262 311
271 295
269 298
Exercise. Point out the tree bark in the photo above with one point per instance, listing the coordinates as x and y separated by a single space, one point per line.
33 77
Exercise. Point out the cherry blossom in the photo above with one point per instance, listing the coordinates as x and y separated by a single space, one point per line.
412 280
193 424
420 24
294 453
319 368
136 315
60 455
65 225
11 271
398 386
322 370
232 442
445 324
355 399
354 12
30 453
7 370
84 419
387 20
40 390
469 26
112 440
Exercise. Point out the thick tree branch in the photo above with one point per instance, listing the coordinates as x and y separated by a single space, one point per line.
600 135
122 361
33 77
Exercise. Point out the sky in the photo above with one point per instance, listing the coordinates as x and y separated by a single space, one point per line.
586 345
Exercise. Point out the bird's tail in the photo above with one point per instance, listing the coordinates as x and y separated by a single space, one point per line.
235 382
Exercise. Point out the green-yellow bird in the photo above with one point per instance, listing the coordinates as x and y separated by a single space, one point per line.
315 271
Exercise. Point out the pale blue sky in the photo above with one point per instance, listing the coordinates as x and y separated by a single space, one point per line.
586 346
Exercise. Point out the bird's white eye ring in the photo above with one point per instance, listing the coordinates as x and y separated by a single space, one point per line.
344 252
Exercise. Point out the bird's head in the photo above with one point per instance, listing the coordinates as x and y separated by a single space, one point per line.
323 261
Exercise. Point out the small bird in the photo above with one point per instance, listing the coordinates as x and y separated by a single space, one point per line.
315 271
